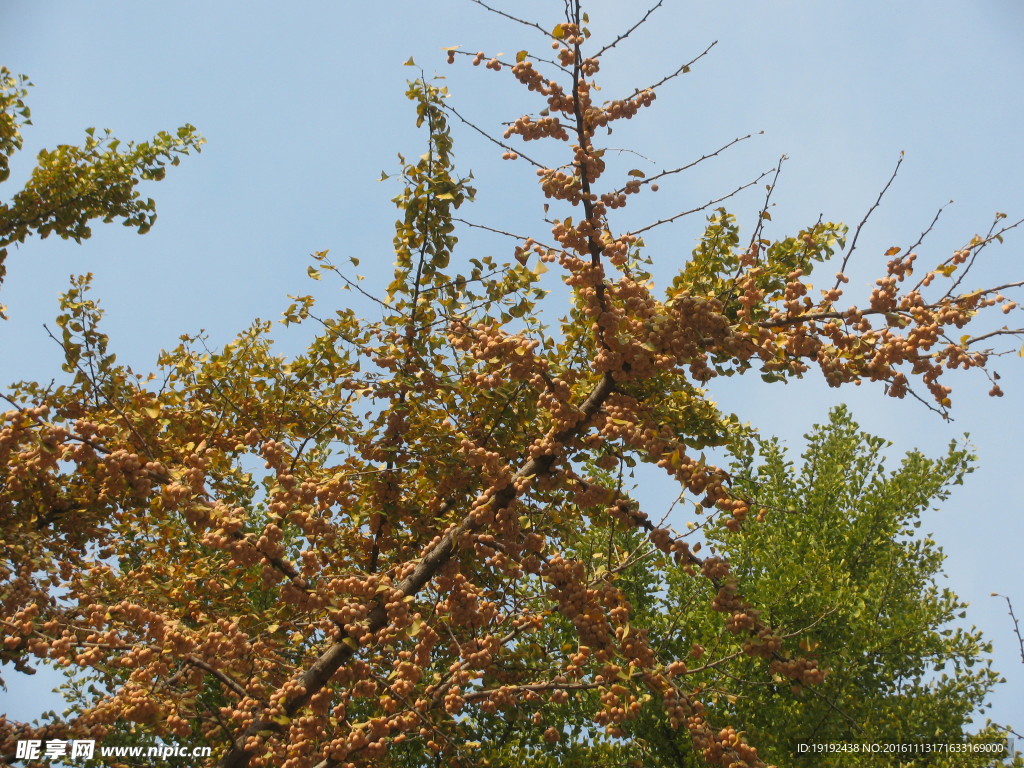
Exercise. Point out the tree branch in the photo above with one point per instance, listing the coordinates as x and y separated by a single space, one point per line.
631 30
856 233
1016 624
340 651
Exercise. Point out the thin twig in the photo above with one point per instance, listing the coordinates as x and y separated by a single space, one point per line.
688 166
761 218
701 207
1016 624
486 135
856 234
683 69
629 31
516 19
351 284
1008 729
1000 332
496 231
534 687
927 230
978 247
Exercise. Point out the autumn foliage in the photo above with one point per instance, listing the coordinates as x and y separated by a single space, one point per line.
339 558
70 185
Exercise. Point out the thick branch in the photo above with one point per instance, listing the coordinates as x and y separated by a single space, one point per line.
316 677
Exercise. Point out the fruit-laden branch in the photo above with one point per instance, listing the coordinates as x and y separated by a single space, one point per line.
343 648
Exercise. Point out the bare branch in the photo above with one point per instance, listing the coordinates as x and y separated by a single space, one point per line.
516 19
683 69
761 218
856 234
629 31
1016 624
701 207
688 166
486 135
496 231
927 230
991 334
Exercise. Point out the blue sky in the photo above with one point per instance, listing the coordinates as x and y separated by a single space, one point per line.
302 106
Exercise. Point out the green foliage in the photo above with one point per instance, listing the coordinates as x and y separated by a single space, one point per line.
717 259
14 113
838 564
73 185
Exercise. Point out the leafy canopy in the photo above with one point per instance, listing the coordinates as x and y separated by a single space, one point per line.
348 557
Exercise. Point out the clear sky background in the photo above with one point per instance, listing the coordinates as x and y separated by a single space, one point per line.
303 106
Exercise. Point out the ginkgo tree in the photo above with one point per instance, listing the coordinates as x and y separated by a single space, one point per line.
341 558
844 567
